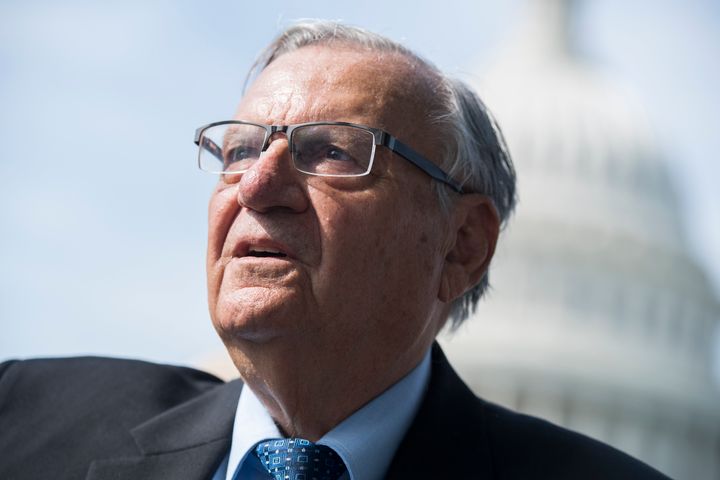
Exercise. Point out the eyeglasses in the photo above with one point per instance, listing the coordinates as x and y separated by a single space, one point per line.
326 149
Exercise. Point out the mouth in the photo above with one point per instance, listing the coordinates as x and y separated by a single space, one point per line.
265 252
262 248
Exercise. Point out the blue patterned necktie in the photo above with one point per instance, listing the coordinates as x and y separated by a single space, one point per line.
299 459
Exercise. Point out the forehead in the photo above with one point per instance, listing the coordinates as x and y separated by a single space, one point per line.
337 83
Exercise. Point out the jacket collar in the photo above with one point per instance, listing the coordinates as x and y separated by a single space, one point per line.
451 420
188 441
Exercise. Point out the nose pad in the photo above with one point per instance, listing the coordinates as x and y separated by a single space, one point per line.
272 137
276 147
270 148
272 181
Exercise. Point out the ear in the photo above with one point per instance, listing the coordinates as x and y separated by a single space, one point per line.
475 225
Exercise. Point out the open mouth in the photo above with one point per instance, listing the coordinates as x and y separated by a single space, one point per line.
265 253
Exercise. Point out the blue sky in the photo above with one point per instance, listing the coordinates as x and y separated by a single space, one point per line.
103 211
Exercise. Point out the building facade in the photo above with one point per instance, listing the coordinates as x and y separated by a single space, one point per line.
598 318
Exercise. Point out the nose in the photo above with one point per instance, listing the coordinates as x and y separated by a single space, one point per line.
272 182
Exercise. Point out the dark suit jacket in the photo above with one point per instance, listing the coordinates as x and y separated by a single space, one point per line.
99 418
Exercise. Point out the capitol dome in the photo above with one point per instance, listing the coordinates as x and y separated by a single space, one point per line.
598 318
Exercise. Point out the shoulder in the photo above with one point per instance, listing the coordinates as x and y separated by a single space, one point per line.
73 411
502 444
91 384
136 374
525 445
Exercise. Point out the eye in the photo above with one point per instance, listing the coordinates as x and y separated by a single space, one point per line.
241 152
326 158
239 158
332 150
336 154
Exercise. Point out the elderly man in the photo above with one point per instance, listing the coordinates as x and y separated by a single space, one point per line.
359 201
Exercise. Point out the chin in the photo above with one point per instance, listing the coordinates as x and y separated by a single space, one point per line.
253 315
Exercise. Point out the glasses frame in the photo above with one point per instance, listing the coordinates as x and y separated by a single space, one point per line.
380 137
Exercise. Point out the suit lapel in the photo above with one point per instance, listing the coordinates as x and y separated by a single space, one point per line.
451 419
188 441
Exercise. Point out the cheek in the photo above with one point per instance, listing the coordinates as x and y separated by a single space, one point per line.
222 209
376 255
342 283
410 255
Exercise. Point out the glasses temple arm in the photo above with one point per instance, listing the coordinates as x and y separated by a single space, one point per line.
421 162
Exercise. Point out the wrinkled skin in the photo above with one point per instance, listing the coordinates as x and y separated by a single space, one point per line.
371 262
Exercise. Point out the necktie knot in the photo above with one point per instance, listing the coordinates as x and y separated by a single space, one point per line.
299 459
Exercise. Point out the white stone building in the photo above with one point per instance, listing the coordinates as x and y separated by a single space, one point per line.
598 319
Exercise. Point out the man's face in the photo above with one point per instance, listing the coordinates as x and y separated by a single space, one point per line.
362 257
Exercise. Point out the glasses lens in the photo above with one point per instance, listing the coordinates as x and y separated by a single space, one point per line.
230 148
333 150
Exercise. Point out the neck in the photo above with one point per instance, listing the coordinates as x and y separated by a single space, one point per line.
315 391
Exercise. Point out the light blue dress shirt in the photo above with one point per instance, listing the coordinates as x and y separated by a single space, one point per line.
366 440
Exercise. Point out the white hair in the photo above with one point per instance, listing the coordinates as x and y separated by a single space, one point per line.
474 150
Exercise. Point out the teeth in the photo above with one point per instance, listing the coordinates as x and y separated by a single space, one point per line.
264 250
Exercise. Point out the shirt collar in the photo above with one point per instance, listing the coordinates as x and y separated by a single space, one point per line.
366 440
253 424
